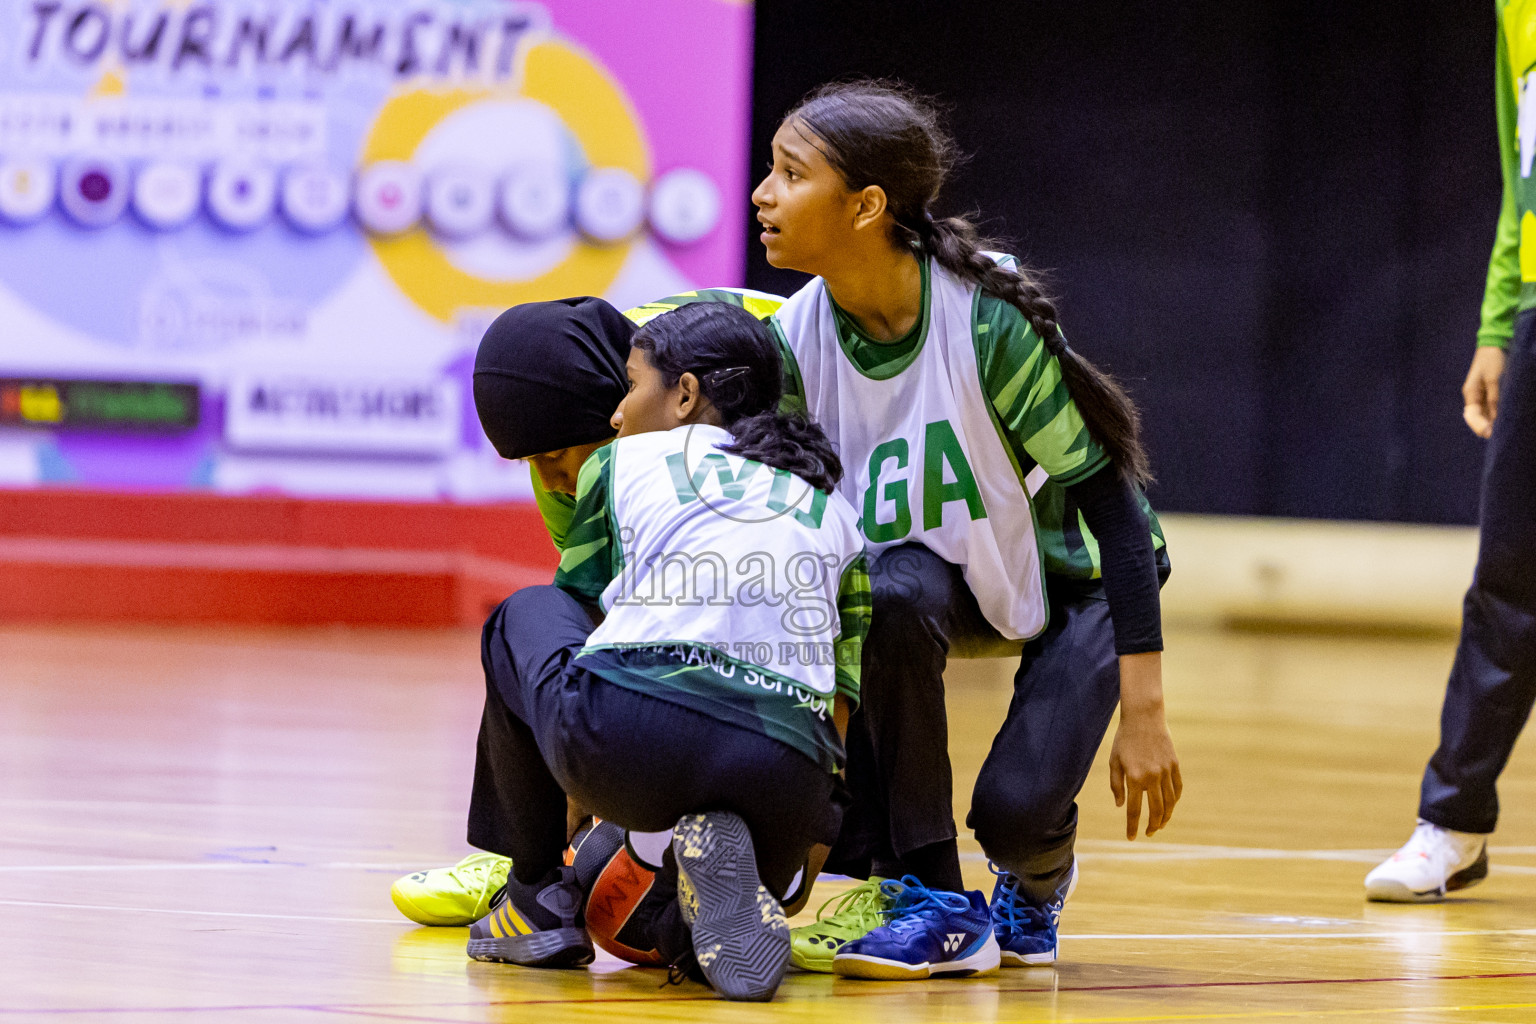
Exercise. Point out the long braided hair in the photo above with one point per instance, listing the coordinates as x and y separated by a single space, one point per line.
876 132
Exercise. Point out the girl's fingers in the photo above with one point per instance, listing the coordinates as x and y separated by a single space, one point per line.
1178 782
1132 811
1117 782
1154 807
1170 797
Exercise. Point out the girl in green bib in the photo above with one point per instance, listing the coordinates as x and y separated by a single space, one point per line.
998 475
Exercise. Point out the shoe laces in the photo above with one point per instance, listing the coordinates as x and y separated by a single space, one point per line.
916 904
860 906
1011 912
1434 843
479 872
684 968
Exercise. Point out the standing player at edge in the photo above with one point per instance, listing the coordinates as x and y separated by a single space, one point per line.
565 358
1493 679
940 373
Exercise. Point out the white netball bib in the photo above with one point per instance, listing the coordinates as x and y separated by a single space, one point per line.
922 457
724 552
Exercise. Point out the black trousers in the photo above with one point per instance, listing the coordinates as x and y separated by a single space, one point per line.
551 729
1024 809
1493 679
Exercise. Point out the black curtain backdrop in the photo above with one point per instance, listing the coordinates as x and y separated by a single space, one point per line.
1272 220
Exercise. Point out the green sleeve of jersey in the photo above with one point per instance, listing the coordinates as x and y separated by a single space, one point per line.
853 609
794 387
556 508
1501 297
593 554
1035 413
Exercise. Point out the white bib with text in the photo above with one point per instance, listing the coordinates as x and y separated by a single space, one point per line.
923 459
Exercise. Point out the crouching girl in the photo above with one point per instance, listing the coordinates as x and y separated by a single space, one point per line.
728 584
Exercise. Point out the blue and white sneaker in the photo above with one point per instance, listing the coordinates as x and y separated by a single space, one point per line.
1026 933
927 932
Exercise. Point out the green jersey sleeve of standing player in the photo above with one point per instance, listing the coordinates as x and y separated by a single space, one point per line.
1506 293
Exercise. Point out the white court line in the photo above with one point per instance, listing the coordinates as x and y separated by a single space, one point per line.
1151 853
1409 934
1128 937
1163 852
1157 853
201 865
200 913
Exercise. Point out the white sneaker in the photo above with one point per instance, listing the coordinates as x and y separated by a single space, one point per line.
1433 862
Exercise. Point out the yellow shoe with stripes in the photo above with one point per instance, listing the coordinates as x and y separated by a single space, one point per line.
451 897
535 925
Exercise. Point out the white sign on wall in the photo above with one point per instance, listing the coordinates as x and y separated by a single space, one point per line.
323 414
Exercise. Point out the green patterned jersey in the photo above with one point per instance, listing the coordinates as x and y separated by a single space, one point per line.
1033 412
1035 415
1511 284
728 587
1042 428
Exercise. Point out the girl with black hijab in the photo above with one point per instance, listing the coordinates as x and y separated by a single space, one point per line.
564 361
547 377
720 720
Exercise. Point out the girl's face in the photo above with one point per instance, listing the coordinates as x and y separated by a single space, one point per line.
559 469
808 214
651 405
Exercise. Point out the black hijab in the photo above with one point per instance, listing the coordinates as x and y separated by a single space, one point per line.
549 375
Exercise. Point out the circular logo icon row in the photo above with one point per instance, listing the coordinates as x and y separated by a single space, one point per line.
387 198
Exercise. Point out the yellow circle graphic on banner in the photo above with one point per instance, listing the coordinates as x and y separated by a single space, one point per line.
599 117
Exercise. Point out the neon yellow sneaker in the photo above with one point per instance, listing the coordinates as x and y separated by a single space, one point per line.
859 912
451 897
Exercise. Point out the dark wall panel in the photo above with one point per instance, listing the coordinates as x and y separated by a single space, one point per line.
1454 209
1270 219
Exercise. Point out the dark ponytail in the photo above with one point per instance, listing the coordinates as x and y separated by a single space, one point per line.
881 133
741 373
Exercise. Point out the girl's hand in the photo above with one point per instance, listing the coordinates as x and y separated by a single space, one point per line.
1481 390
1142 759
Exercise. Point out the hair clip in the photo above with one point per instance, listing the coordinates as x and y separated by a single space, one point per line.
726 375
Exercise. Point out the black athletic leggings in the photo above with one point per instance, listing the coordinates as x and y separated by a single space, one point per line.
551 729
1024 809
1493 679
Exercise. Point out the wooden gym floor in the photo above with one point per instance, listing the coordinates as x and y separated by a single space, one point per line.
202 824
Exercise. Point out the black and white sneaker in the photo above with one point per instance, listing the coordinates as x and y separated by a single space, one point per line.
535 925
740 936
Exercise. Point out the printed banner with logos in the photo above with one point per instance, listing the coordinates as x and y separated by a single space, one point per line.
251 245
